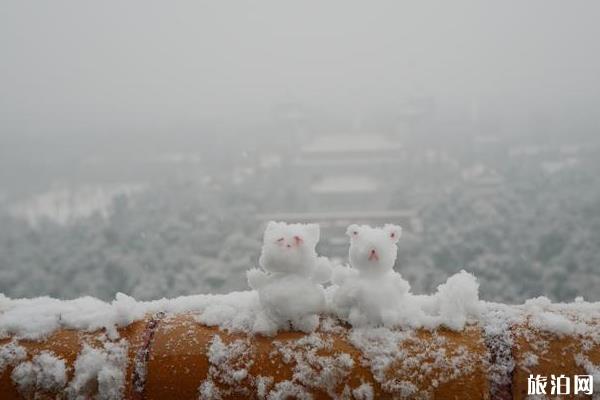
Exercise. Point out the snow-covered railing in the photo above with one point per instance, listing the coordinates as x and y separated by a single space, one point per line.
197 347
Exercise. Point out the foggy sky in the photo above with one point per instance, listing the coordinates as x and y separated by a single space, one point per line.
117 67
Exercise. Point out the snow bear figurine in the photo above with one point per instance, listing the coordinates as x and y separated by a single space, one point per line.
289 281
371 293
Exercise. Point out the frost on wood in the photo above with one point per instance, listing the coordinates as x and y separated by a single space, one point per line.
289 390
46 372
407 365
363 392
496 321
263 383
229 364
312 370
100 372
591 369
10 354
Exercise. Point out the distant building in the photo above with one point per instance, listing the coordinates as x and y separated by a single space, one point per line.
348 172
482 180
346 179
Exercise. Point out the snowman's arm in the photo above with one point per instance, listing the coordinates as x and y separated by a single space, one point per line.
346 296
400 283
341 274
322 273
256 278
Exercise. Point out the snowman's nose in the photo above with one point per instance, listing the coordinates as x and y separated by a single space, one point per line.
373 255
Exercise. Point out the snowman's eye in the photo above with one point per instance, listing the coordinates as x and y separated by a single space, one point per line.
280 240
393 235
355 233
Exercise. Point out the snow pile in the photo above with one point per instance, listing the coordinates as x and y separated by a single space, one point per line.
363 392
46 372
289 283
552 322
563 318
371 293
39 317
239 311
236 312
10 354
456 301
100 371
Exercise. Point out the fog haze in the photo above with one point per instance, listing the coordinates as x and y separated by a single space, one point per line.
115 68
145 144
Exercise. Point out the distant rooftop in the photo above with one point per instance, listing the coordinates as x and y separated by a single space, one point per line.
351 143
344 184
408 218
352 216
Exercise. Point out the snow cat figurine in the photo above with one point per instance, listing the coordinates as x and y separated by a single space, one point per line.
370 292
289 280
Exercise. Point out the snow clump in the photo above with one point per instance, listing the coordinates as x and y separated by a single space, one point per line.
46 372
100 370
10 354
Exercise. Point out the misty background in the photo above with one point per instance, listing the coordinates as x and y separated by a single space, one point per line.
144 144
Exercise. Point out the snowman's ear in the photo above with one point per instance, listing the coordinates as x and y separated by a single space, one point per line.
313 231
393 232
272 227
353 231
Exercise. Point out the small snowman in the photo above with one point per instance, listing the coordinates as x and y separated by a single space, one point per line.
370 292
289 280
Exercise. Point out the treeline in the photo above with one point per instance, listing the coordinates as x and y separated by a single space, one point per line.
535 234
172 240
